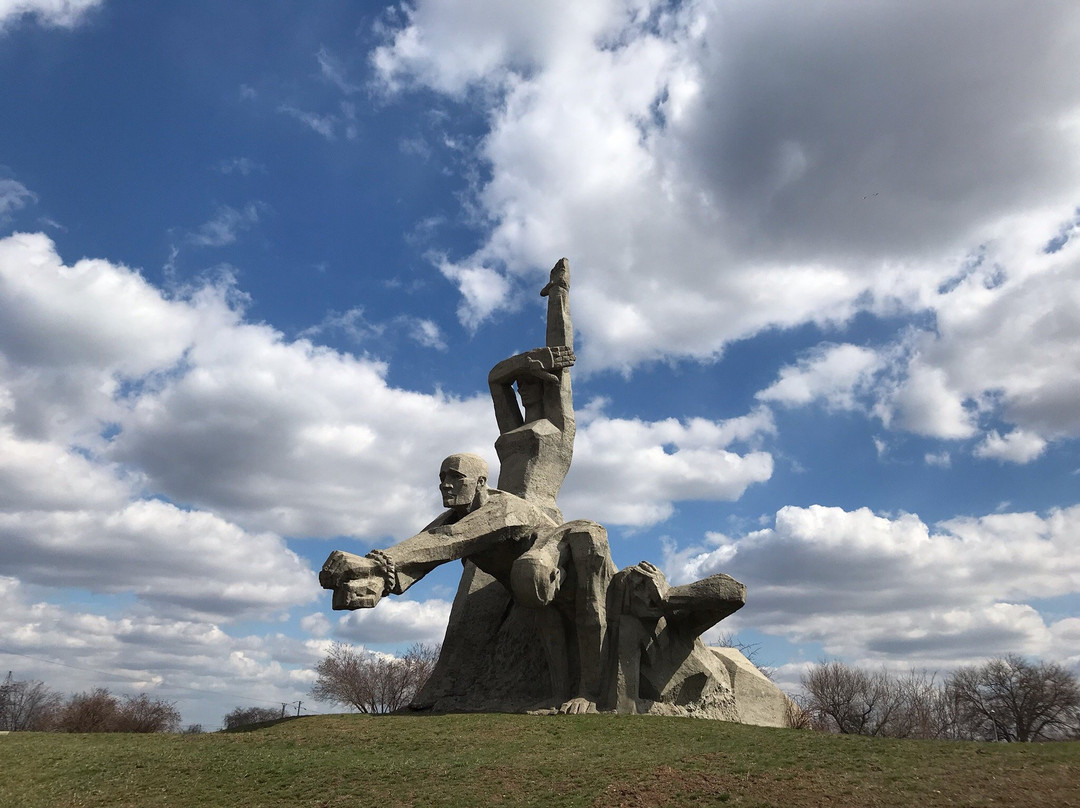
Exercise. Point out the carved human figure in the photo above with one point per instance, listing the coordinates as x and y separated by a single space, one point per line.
654 631
493 529
564 574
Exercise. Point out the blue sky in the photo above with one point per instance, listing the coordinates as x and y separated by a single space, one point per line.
256 260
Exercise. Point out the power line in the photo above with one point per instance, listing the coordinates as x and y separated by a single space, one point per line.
114 675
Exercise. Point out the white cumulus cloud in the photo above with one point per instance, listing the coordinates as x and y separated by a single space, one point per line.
1016 447
870 586
631 472
831 373
747 165
398 621
719 168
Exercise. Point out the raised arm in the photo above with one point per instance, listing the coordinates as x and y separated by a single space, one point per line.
501 380
559 398
540 365
560 329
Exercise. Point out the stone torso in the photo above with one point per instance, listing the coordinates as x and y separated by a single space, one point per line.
533 461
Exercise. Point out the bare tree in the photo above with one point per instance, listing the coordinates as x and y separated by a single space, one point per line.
796 716
95 711
1072 726
26 705
343 676
372 683
850 700
1011 699
1008 699
922 710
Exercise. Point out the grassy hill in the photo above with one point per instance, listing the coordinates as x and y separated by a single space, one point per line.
478 760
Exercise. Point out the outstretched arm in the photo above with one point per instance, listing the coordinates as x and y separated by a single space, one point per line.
694 607
698 606
359 583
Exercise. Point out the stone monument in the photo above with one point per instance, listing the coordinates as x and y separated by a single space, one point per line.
542 621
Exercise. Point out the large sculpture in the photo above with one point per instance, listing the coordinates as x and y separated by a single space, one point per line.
542 621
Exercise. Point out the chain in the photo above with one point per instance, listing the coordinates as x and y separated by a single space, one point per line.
389 569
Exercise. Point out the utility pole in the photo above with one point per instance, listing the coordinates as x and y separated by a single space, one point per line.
7 708
283 705
298 708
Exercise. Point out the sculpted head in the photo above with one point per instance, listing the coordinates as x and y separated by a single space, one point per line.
647 590
463 482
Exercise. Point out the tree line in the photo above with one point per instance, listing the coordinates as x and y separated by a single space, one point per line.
1004 699
363 680
33 706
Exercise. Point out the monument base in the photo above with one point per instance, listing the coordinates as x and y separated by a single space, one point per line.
757 700
492 659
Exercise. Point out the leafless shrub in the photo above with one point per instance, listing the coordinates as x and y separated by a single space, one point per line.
95 711
101 711
244 716
796 716
144 714
372 683
1004 699
842 698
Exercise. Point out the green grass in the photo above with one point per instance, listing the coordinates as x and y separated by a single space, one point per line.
478 760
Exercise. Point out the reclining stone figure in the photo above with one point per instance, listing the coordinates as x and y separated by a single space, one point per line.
656 653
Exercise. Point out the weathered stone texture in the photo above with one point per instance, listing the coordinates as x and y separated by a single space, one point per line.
758 701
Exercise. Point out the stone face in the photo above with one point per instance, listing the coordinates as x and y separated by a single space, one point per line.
542 621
